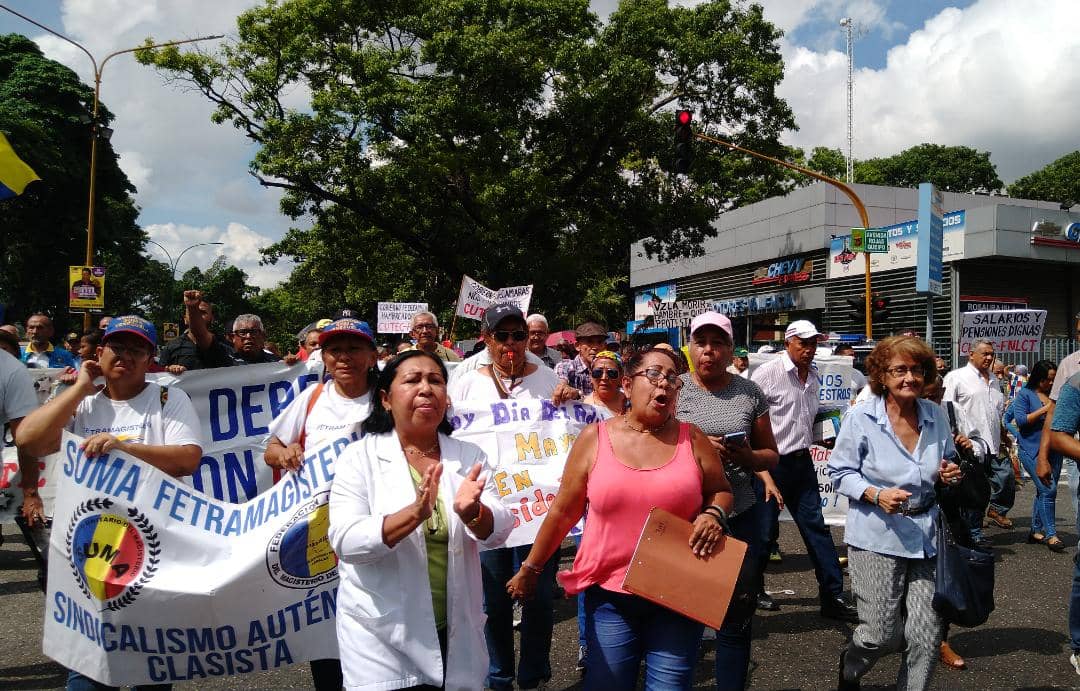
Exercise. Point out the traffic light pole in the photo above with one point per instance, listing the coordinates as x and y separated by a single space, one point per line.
855 201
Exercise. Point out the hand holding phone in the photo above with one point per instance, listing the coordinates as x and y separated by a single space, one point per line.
735 439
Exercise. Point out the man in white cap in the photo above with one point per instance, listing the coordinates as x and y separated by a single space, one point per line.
791 385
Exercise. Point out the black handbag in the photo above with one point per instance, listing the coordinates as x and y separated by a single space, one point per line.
964 582
973 491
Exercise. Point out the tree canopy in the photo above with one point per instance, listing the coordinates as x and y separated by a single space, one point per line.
1057 182
517 141
43 231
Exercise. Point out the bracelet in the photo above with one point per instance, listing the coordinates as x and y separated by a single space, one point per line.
475 523
532 567
877 498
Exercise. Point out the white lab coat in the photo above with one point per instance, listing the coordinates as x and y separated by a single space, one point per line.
385 622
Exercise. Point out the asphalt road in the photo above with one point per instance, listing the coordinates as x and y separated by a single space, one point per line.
1024 645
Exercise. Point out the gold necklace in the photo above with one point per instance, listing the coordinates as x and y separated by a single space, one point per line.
508 375
422 452
645 430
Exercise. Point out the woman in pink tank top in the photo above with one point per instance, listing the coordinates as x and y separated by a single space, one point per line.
621 469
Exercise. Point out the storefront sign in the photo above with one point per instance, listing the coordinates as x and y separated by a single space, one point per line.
1011 331
981 303
869 240
673 314
785 271
758 304
903 248
928 270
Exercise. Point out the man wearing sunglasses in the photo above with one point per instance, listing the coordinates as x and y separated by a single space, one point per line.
249 341
575 376
510 375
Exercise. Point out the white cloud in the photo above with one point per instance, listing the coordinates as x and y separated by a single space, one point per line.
241 248
997 76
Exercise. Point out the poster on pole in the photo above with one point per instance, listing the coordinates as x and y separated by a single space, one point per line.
394 317
1011 331
87 288
474 297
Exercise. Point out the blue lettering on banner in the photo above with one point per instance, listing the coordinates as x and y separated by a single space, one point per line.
101 474
227 413
238 471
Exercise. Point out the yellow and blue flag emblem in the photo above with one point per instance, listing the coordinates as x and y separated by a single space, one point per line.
14 174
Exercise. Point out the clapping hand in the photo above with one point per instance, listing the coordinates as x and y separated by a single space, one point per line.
427 492
467 500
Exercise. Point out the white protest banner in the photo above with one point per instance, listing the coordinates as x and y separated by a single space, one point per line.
151 582
393 317
1011 331
835 395
474 298
681 313
527 441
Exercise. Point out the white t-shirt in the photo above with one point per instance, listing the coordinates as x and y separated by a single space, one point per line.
333 416
17 395
477 386
144 419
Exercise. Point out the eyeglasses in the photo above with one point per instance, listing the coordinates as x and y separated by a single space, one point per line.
124 351
425 327
248 332
516 334
611 372
656 375
902 371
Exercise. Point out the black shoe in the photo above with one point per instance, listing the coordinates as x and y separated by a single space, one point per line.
765 602
836 607
983 543
843 684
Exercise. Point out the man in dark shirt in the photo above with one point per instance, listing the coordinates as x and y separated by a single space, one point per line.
249 341
197 347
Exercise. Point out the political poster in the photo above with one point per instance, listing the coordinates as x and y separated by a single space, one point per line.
153 582
680 313
646 301
527 441
394 317
87 288
1011 331
474 297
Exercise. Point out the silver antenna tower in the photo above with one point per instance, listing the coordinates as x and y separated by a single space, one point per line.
849 26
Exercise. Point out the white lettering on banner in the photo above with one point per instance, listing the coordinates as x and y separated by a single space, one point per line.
474 298
395 317
527 441
128 605
1011 331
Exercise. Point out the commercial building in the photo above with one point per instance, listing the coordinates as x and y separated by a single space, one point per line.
788 258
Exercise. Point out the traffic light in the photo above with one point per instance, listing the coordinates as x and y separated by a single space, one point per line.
858 308
880 307
684 141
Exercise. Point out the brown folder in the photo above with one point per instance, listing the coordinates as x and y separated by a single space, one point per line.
664 570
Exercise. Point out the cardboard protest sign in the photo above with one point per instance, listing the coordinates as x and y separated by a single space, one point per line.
1011 331
474 298
394 317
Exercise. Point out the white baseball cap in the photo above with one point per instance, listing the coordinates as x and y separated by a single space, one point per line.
802 328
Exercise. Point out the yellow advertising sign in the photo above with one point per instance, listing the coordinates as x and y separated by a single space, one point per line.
87 288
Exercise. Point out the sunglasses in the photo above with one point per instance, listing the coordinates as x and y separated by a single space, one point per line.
516 334
611 372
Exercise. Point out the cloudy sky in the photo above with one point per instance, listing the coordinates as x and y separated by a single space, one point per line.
997 75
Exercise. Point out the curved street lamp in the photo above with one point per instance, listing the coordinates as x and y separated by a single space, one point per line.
174 264
96 129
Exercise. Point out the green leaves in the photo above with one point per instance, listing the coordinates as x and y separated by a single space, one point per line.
1057 182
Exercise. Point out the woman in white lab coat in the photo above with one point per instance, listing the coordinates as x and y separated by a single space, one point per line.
410 508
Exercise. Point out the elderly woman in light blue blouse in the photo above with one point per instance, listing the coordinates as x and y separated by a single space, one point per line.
891 452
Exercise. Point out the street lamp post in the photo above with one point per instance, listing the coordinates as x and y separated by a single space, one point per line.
174 264
95 125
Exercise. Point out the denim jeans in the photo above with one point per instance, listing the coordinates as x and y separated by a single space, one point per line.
580 605
1069 466
1044 506
733 639
1074 606
537 620
326 674
1002 484
81 682
798 484
622 630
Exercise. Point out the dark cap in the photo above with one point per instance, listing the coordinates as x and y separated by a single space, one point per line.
496 313
589 329
353 327
132 324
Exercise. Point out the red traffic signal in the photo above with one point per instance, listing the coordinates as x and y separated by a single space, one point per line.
683 117
684 141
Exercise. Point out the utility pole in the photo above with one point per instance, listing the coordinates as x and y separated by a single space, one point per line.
848 25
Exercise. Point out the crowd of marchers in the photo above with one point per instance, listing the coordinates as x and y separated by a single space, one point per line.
414 511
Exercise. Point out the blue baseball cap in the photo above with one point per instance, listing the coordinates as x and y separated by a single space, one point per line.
133 325
347 326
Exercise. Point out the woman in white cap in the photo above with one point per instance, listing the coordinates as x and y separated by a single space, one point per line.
733 412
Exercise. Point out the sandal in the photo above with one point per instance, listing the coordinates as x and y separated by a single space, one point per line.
1036 538
1055 544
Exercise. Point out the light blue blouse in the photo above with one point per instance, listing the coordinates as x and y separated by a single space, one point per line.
868 453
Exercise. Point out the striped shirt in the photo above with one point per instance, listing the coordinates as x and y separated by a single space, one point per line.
792 404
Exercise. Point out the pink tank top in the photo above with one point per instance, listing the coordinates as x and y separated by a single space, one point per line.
619 500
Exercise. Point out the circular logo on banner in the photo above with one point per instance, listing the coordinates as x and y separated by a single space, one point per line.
1072 232
299 555
112 556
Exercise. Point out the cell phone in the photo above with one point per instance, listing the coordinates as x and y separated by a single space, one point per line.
735 439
